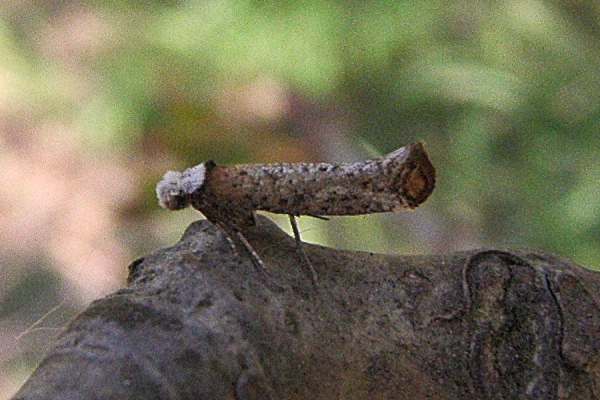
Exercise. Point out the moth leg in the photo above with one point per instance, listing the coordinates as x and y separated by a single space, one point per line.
318 217
230 240
256 260
301 250
236 239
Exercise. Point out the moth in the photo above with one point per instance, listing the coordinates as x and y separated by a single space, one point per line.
229 196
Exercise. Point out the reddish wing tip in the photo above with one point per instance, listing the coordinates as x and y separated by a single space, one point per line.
420 178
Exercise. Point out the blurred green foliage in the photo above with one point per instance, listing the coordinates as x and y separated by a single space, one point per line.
506 94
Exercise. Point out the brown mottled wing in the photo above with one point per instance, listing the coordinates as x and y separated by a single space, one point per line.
401 180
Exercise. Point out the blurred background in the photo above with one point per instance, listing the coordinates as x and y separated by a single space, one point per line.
99 99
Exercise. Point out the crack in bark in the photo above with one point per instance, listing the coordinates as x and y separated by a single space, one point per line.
561 317
497 314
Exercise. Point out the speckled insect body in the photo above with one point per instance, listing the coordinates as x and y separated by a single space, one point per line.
229 195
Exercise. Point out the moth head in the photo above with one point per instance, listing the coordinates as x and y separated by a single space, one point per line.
170 193
175 190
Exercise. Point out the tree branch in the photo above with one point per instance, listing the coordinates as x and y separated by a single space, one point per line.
198 322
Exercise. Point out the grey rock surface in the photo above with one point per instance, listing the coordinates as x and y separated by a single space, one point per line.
198 321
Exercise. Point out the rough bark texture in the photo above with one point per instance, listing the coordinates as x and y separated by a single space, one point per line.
198 322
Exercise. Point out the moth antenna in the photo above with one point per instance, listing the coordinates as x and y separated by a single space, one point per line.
302 251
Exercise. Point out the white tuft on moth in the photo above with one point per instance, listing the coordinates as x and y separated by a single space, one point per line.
176 188
193 178
170 193
229 196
